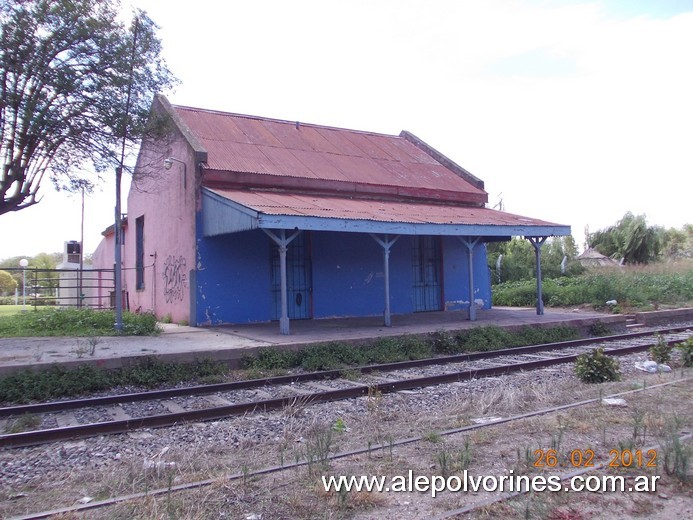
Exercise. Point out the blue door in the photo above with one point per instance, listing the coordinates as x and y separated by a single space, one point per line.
426 262
299 280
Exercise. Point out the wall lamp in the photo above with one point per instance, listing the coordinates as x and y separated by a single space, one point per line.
169 162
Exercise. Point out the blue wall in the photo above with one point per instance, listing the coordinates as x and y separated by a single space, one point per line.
455 274
233 278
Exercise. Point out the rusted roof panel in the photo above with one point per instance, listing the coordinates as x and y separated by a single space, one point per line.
293 204
244 144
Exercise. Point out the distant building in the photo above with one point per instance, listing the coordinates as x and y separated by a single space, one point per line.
593 258
241 219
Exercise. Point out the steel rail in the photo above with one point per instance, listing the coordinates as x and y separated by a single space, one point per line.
57 406
30 438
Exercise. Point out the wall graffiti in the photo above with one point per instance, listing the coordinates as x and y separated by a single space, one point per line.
175 278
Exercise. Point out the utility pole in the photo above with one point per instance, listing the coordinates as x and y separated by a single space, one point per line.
118 214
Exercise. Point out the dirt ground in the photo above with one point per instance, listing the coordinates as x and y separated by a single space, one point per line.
648 420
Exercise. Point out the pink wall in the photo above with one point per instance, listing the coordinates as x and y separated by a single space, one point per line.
168 208
167 203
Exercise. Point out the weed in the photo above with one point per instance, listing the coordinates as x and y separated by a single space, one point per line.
557 438
432 436
636 287
58 381
525 460
451 462
599 328
350 375
596 367
444 461
444 342
331 356
639 426
686 349
23 423
660 352
318 447
677 455
464 456
75 322
339 425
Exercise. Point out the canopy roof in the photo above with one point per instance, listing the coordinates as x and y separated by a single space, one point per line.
230 211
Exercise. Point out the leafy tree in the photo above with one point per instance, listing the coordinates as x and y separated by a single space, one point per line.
75 84
678 243
48 281
518 262
631 239
7 283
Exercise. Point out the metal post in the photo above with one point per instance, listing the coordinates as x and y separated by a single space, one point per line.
24 290
284 320
283 246
386 244
118 260
537 242
471 244
23 263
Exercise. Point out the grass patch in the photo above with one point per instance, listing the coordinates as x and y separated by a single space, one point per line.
332 356
74 322
57 381
9 310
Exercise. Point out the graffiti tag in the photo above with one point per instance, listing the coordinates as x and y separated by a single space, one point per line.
175 278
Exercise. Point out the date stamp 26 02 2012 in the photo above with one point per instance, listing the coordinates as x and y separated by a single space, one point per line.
618 458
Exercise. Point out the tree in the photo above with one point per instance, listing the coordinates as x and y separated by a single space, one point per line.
631 239
75 83
7 283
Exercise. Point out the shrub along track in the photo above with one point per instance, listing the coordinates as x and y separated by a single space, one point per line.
301 388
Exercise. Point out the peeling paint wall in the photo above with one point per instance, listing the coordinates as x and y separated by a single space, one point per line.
234 273
455 275
167 201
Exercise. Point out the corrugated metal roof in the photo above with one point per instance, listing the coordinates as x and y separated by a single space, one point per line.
294 204
313 153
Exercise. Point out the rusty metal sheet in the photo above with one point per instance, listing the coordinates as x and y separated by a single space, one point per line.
303 154
278 203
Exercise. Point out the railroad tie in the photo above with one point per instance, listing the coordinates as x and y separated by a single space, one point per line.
172 406
117 413
216 400
66 418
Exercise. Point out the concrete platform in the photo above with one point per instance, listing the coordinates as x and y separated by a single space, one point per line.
231 343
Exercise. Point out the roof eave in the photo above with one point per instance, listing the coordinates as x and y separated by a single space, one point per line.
165 106
442 159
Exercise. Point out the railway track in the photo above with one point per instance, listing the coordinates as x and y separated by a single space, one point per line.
64 420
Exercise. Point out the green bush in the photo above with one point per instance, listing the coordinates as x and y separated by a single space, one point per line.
57 381
660 352
630 288
330 356
596 367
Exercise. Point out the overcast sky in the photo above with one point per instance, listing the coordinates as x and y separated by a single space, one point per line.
570 111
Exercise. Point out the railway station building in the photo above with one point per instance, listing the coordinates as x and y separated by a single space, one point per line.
239 219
